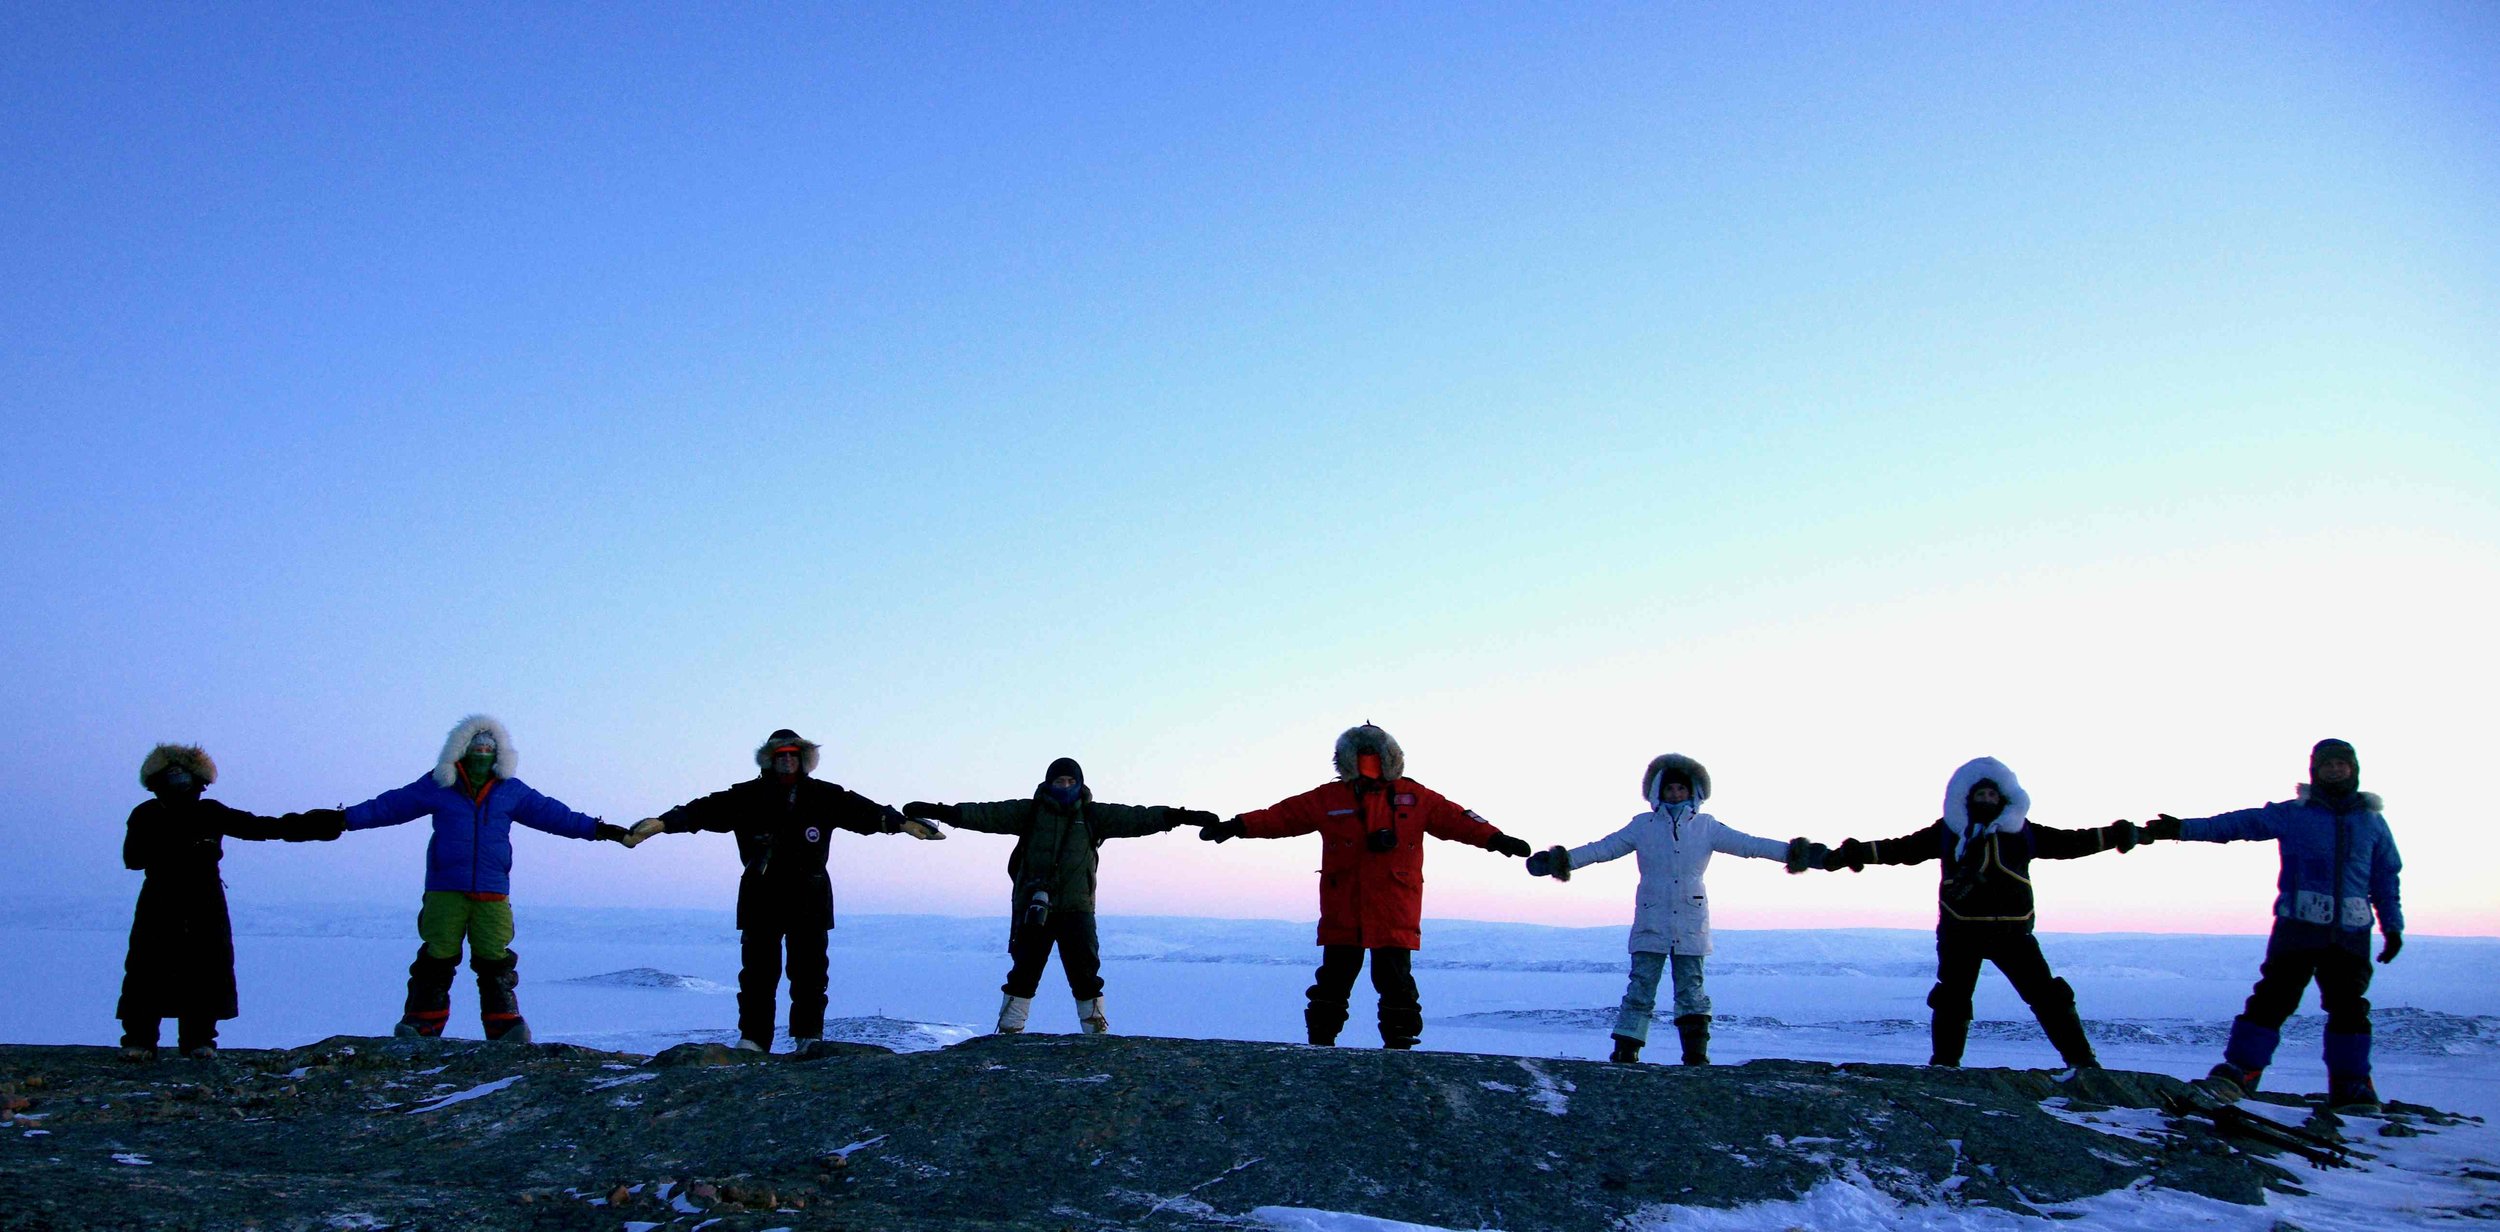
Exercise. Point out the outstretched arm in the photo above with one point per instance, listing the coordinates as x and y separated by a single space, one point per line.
2238 825
1464 825
1728 840
1614 846
2052 843
1916 847
989 817
861 815
542 812
393 807
1140 820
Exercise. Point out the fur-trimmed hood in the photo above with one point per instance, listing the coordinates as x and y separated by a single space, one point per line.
507 759
1957 797
809 751
189 757
1357 741
1693 773
2368 800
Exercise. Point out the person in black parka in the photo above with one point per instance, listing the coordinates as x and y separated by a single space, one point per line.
783 818
1984 906
181 961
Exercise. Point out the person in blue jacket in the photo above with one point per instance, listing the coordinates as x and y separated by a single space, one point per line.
474 801
2339 868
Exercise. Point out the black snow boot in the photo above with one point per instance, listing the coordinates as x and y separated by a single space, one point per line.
1946 1034
498 1002
2065 1031
1323 1023
1694 1030
1627 1050
429 995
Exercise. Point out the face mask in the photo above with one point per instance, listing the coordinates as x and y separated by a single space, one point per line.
1064 797
1367 765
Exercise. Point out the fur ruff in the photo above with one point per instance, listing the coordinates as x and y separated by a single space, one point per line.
507 759
1659 765
1957 797
1357 741
809 753
189 757
2368 799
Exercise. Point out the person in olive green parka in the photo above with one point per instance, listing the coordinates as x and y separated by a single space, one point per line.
1058 833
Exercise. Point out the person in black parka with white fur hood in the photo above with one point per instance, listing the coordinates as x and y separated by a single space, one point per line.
181 963
784 821
1984 909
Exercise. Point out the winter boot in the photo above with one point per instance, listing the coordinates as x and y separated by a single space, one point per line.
2064 1027
139 1040
748 1045
1089 1015
1323 1023
1946 1034
2229 1083
1012 1011
1627 1050
498 1001
2352 1094
429 996
1694 1030
2244 1059
2348 1086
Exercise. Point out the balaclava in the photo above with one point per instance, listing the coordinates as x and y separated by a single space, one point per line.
1064 797
1982 815
478 761
2334 793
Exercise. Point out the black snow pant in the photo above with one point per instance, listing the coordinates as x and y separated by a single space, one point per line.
1393 977
193 1032
2294 957
759 977
1080 954
1960 949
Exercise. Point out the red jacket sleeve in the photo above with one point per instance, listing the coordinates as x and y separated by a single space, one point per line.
1447 820
1288 817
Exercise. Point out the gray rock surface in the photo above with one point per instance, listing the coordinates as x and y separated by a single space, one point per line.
1030 1132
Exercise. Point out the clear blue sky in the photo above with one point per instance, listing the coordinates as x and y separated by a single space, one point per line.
1831 392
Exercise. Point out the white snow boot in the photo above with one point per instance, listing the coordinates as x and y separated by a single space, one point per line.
748 1045
1012 1011
1089 1015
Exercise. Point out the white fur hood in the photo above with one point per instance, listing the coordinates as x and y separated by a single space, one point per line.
1957 796
507 759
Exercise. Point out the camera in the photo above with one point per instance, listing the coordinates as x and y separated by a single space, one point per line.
1382 839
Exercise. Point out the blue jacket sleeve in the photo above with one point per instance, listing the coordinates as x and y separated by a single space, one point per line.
540 811
2231 827
2384 865
392 807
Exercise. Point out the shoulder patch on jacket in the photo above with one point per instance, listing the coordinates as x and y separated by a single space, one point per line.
1473 815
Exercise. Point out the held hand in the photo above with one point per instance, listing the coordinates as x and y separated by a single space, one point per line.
2123 835
1506 845
1801 855
1851 855
1540 864
948 813
1198 819
1222 831
605 833
917 828
2161 829
1554 862
2387 953
642 830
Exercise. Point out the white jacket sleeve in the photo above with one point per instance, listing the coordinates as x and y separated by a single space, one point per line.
1729 840
1613 846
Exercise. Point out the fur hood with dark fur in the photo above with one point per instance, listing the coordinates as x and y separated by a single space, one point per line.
2368 800
1693 773
189 757
507 759
1957 796
809 751
1369 739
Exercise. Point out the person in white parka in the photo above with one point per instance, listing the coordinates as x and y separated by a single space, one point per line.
1671 909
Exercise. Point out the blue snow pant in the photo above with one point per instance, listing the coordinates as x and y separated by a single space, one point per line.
2296 954
1640 996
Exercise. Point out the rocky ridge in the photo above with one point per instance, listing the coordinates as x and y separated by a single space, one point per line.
1047 1132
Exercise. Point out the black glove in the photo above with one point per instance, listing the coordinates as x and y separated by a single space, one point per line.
2395 942
1505 845
1540 864
948 813
1851 855
2123 835
605 833
1223 830
1554 862
1191 817
2162 829
1802 856
317 825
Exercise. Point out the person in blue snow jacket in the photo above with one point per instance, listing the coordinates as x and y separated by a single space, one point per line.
2339 870
474 801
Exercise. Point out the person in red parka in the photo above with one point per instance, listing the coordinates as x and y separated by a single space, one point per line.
1372 822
